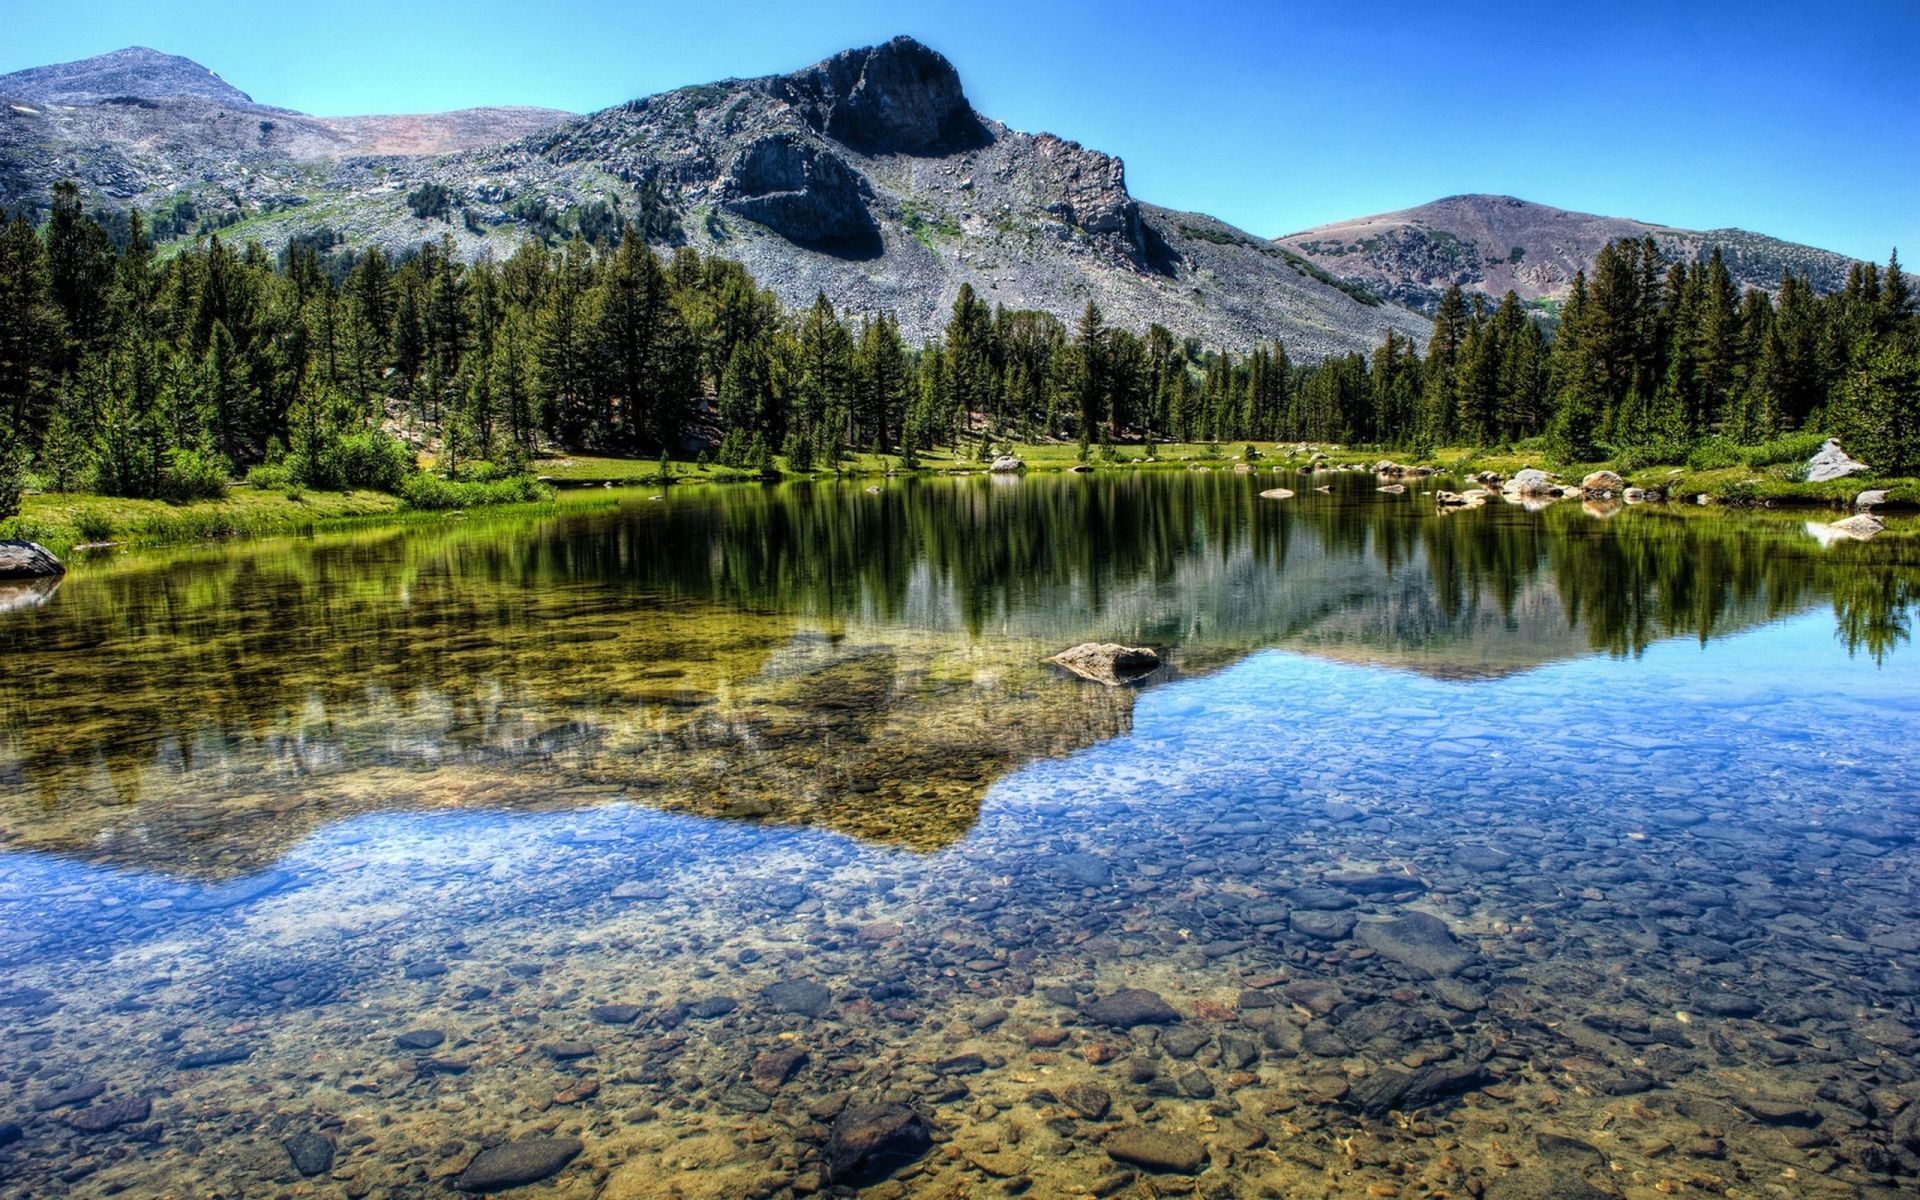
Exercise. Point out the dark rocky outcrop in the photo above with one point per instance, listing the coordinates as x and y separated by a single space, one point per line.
517 1164
803 192
900 97
22 561
871 1141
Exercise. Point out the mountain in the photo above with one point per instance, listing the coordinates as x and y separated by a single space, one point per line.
1491 244
135 72
868 176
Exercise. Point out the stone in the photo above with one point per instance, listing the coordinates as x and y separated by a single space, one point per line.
68 1097
517 1164
420 1039
711 1007
1129 1007
615 1014
1531 482
1602 484
1393 489
1860 527
1006 464
1182 1042
220 1056
1084 869
1322 926
1157 1150
1831 462
802 997
1871 498
9 1134
1374 883
1088 1101
1390 1089
311 1153
802 191
1419 941
568 1051
21 561
896 97
1277 494
111 1116
1541 1183
1108 662
1198 1084
773 1068
871 1141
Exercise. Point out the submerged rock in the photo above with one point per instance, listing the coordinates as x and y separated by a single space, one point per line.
1108 662
871 1141
28 560
1157 1150
111 1116
311 1153
1130 1007
1277 494
1831 462
516 1164
1418 940
1388 1089
803 997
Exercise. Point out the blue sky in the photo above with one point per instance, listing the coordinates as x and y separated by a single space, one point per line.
1800 121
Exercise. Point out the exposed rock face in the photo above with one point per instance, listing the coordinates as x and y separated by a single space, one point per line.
868 177
28 560
900 97
872 1141
803 192
1831 462
1108 662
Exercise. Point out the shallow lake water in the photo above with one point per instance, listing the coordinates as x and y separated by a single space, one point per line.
742 843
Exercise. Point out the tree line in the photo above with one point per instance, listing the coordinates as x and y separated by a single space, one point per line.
137 374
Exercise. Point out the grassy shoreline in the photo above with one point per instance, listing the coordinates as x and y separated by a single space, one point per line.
65 522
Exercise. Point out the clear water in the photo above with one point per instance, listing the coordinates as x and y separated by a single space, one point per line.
1651 774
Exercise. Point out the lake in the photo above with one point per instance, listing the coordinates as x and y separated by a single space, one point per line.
742 843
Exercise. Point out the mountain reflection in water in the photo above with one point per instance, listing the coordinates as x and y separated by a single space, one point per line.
808 655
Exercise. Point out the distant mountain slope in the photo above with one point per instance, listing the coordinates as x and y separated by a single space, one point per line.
868 176
135 71
1490 244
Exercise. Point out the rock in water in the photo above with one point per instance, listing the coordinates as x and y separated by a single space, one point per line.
1108 662
1531 482
1831 462
1277 494
800 996
111 1116
1871 498
1602 484
1006 464
311 1153
1859 527
1157 1150
1087 1100
1388 1089
28 560
1418 940
871 1141
515 1164
1129 1007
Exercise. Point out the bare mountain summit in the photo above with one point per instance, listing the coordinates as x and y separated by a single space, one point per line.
135 72
1491 244
868 177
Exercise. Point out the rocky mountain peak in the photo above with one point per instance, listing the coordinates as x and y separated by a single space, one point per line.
136 72
900 97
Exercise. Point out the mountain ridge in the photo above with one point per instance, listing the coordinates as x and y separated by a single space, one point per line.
1494 243
867 176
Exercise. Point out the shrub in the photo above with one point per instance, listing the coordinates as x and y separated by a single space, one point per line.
13 478
1794 448
371 459
193 475
94 525
1714 454
269 477
425 490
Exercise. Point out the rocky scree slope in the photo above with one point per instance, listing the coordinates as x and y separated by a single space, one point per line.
1490 244
868 177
